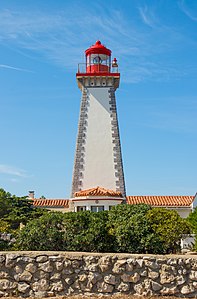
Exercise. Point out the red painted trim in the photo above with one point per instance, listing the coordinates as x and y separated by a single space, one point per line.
104 51
97 74
98 48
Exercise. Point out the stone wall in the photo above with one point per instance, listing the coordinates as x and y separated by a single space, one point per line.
41 274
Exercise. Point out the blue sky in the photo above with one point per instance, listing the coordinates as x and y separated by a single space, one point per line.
41 43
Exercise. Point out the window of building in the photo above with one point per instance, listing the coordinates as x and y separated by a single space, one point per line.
81 208
97 208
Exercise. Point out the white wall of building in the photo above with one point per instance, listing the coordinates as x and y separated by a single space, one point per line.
99 162
88 203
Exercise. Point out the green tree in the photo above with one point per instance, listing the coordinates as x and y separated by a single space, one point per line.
192 219
4 245
16 210
5 198
75 226
83 231
44 233
87 231
132 231
169 226
4 228
98 233
125 228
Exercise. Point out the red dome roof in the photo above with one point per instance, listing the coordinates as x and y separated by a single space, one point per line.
98 48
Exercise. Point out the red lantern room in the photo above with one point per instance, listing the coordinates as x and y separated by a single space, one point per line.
98 59
98 65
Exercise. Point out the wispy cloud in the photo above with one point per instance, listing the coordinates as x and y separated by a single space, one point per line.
188 11
10 170
142 71
147 15
56 37
5 66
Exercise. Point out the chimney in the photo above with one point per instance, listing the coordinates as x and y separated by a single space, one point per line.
31 194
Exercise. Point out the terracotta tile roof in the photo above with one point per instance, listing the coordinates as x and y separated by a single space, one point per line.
168 201
98 191
51 203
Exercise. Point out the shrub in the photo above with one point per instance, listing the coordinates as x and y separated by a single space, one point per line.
45 233
125 228
169 227
16 210
87 231
192 219
4 241
131 229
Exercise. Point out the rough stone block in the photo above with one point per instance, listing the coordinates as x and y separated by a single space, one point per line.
110 279
23 287
41 258
103 287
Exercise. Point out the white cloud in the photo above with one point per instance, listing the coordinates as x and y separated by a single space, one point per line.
147 71
62 36
10 170
147 16
189 12
5 66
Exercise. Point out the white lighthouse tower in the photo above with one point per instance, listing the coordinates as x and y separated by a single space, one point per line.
98 160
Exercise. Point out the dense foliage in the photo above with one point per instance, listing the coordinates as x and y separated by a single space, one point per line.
87 231
14 211
169 227
44 233
125 228
193 222
4 229
132 231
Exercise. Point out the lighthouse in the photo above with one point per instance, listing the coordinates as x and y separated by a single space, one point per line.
98 159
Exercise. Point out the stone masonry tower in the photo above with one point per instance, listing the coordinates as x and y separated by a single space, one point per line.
98 159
